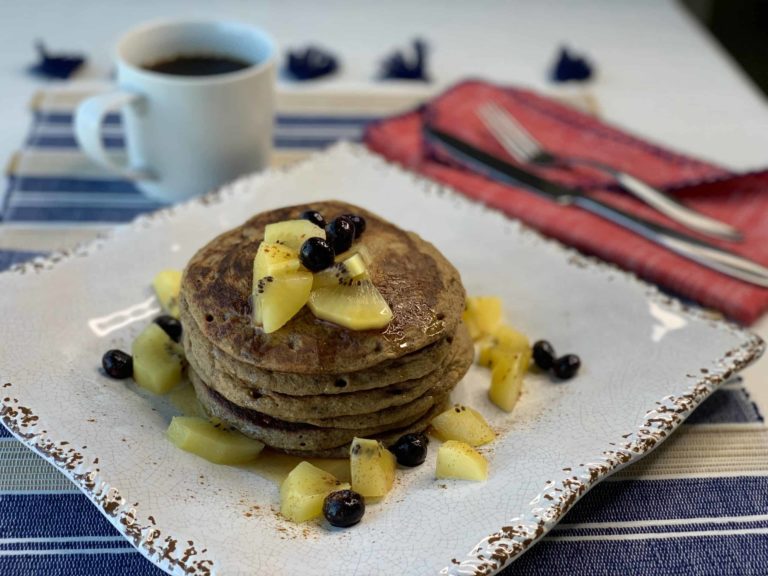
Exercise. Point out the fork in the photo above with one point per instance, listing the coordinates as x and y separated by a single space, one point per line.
520 144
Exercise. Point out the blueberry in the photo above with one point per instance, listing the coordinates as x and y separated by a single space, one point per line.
410 449
316 254
358 222
543 354
170 326
313 216
117 364
566 366
340 234
343 508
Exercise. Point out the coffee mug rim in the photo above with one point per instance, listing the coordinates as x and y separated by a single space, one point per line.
251 70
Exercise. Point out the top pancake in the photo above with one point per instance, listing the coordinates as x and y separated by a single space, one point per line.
421 287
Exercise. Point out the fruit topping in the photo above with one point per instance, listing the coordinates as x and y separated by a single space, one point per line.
214 442
459 460
358 248
372 467
292 233
303 492
158 361
566 366
341 291
313 216
167 284
464 424
507 372
170 326
543 354
274 259
344 508
357 304
358 222
340 234
410 449
117 364
482 315
277 299
316 255
342 273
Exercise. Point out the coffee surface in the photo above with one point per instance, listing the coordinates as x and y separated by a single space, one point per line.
197 65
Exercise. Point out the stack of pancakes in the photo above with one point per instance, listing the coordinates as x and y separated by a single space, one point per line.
312 386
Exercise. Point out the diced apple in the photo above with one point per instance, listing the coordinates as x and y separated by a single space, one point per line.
469 321
510 338
158 361
303 491
464 424
214 442
507 376
486 312
167 285
460 461
372 467
292 233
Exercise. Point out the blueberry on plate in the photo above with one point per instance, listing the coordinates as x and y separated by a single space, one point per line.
117 364
170 326
358 222
544 354
343 508
313 216
340 234
566 366
316 255
410 449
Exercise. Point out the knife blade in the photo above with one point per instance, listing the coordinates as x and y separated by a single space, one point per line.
690 247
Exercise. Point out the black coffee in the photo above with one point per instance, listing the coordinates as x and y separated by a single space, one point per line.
197 65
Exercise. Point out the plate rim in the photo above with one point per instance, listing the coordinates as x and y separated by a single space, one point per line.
494 551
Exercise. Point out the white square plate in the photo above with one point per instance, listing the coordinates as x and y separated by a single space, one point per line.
647 363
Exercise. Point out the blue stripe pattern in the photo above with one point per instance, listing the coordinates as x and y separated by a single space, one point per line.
737 555
71 537
62 516
60 198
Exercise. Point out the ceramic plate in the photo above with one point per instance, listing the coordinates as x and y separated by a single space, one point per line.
647 363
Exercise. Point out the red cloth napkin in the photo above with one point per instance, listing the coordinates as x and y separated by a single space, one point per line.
741 200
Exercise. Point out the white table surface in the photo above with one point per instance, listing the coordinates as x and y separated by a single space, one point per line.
660 74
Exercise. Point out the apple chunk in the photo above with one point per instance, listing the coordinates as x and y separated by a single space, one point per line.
460 461
303 491
372 467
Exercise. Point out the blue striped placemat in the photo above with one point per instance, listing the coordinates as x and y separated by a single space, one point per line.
697 505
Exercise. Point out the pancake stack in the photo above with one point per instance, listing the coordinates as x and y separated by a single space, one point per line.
312 386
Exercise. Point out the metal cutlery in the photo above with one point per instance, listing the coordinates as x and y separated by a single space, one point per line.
520 144
687 246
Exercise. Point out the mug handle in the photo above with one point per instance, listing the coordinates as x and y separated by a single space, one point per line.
88 120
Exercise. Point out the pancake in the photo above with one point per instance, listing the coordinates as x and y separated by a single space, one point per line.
421 287
280 434
210 359
323 407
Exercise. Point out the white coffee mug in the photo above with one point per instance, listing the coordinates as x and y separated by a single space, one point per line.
186 135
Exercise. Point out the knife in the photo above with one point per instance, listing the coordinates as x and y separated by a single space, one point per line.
682 244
